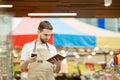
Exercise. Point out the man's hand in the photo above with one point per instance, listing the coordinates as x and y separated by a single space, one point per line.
32 59
56 61
24 63
57 64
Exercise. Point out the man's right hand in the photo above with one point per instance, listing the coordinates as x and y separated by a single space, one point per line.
32 59
24 63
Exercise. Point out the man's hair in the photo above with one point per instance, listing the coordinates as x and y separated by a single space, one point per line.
45 25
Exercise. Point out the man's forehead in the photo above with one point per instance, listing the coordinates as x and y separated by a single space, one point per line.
46 31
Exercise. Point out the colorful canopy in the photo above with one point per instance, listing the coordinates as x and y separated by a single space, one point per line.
104 38
63 34
67 32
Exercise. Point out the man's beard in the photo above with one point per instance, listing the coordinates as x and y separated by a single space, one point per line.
43 41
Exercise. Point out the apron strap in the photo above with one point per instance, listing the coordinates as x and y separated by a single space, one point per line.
34 49
47 47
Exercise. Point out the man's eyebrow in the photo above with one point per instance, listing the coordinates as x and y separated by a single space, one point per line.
47 34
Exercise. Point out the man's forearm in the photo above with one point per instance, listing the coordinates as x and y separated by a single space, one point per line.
24 64
57 68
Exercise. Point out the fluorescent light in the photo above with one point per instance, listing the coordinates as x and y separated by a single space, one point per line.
6 6
89 56
111 52
52 14
93 53
107 2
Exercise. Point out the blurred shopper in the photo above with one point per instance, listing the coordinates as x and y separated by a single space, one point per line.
35 53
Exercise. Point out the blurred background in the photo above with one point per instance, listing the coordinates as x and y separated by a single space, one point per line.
86 32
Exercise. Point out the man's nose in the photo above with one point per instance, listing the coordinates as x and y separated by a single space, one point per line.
47 37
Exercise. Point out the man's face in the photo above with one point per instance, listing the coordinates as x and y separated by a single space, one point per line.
44 35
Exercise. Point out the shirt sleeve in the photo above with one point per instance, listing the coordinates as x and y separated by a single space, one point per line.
24 54
53 50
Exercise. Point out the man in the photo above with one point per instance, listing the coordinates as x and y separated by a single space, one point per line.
38 67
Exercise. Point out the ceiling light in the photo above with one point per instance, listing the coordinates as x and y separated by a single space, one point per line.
6 6
52 14
77 56
96 48
75 53
62 51
93 53
107 2
111 52
89 56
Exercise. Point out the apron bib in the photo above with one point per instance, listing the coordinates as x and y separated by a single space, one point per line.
41 69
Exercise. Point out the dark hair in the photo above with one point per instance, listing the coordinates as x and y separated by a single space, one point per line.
45 25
